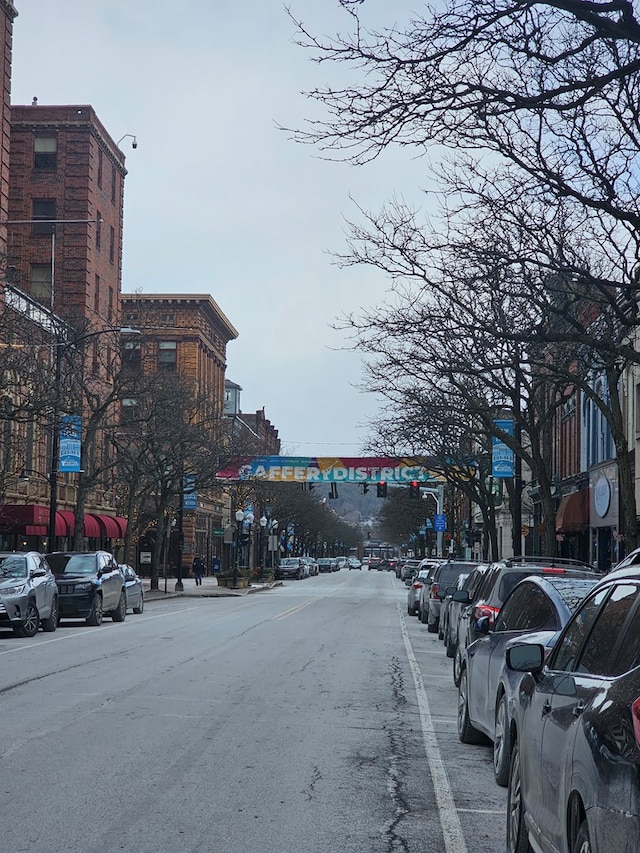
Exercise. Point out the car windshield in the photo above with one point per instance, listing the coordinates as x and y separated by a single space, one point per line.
13 566
72 564
289 561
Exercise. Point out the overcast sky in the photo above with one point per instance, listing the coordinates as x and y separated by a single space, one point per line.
217 199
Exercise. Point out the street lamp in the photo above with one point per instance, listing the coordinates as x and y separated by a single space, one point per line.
249 519
273 540
263 523
239 520
61 346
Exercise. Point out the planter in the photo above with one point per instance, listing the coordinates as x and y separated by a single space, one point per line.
241 583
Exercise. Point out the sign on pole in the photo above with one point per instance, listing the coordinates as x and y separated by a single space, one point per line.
502 458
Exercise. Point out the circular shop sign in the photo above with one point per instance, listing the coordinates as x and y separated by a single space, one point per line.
602 496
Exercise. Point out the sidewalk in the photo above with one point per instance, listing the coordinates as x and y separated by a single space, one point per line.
208 589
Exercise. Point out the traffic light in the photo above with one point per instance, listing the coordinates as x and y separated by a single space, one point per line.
414 489
382 490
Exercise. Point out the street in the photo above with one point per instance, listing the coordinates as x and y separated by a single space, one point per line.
316 716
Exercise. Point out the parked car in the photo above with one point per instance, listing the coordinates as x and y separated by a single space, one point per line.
446 574
342 562
471 584
494 588
327 564
311 566
446 597
90 585
290 567
354 563
415 587
575 739
28 593
409 569
487 688
133 586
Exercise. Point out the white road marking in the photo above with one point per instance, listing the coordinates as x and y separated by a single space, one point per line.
452 829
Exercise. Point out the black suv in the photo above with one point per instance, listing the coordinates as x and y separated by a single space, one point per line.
494 588
90 584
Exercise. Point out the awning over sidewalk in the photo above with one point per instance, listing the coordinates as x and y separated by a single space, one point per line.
33 520
573 513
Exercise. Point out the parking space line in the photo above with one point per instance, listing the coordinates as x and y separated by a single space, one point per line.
451 827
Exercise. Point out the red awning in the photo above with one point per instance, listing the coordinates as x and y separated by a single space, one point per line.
573 512
18 514
91 526
65 522
109 526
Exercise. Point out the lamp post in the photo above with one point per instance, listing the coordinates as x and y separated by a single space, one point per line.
239 520
61 346
273 540
249 518
263 524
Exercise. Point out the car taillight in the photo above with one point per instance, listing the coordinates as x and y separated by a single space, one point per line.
434 590
635 715
418 585
485 610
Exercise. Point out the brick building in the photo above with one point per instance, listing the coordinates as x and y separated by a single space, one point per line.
7 15
187 334
65 212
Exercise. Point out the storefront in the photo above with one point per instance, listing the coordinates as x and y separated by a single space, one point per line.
604 516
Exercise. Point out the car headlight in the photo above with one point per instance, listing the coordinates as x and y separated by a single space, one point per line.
83 587
13 590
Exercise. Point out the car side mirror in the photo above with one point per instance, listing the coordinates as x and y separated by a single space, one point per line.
525 658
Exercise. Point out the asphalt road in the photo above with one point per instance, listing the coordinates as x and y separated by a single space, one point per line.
316 716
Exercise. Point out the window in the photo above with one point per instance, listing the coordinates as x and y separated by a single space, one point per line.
132 356
45 153
565 653
129 410
113 184
167 356
527 609
98 229
96 295
99 167
43 208
112 243
596 659
41 282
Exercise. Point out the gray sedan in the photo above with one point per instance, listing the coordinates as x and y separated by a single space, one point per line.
133 585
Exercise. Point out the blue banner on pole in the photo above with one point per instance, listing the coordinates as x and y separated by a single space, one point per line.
189 494
502 461
70 442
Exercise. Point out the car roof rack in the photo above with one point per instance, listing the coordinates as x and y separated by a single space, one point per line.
547 561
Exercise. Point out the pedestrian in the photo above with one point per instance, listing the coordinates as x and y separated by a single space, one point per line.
198 569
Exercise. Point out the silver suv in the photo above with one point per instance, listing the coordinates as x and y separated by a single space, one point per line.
28 593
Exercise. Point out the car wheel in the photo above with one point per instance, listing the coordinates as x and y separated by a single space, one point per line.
457 666
432 627
95 614
140 606
51 622
517 836
441 632
29 627
582 843
450 647
119 614
466 732
502 745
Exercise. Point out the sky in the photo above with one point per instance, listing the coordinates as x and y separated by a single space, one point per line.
218 199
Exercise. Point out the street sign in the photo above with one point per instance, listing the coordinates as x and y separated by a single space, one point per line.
440 521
